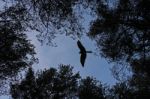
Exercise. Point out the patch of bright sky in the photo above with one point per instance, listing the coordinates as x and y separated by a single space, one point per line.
67 52
5 97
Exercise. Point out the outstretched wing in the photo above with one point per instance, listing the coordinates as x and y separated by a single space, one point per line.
82 58
81 47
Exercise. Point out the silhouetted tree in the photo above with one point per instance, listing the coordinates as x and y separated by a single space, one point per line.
67 83
26 88
140 81
122 35
121 90
45 17
45 82
122 31
90 88
49 84
136 88
16 52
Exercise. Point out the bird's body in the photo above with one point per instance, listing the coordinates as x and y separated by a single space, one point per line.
83 53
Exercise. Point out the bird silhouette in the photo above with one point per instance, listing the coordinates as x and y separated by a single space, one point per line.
83 53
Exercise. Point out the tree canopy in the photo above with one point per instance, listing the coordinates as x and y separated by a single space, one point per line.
122 35
120 29
16 52
56 84
91 88
122 32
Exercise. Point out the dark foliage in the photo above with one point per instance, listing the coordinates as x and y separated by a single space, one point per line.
56 84
122 32
45 17
26 89
49 84
90 88
16 52
121 91
122 36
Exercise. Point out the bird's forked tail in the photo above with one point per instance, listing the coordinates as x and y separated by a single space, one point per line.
89 51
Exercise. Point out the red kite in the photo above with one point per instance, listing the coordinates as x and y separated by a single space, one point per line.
83 52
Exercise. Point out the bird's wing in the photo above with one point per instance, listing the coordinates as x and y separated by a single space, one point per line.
82 58
81 47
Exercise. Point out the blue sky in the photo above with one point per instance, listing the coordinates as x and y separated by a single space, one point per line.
67 52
